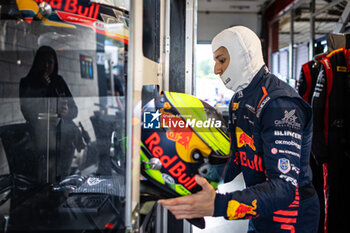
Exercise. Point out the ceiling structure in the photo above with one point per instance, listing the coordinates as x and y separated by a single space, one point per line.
231 6
325 22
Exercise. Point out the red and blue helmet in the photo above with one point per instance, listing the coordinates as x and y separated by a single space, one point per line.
182 136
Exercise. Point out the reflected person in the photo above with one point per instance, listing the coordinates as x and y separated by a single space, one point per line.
44 91
119 80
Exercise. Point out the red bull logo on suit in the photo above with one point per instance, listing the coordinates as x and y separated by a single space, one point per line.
237 210
243 139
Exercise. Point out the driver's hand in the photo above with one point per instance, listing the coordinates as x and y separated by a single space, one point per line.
193 206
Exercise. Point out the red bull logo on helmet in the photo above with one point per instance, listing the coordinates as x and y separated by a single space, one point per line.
175 133
237 210
243 139
173 164
183 138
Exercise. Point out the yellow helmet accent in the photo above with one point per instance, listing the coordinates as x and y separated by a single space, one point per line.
193 110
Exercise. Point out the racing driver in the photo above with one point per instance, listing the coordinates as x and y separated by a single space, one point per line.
271 132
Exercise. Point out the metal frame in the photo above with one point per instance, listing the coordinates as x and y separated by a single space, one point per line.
190 41
340 27
133 113
161 212
291 46
312 29
166 49
330 5
343 20
289 10
165 220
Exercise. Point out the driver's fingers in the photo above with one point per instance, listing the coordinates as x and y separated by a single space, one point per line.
180 208
186 200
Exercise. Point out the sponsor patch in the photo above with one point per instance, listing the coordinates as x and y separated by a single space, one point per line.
245 117
289 120
287 133
274 151
284 165
295 168
237 210
263 103
233 118
167 179
250 108
288 143
327 63
253 164
235 106
244 139
289 179
339 123
288 152
91 181
341 69
226 81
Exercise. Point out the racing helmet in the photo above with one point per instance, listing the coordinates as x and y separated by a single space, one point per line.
182 136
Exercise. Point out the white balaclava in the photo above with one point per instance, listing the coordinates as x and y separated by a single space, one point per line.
246 59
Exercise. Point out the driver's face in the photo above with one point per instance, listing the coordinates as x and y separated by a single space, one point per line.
222 60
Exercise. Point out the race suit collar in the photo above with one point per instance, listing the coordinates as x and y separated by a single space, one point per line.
255 81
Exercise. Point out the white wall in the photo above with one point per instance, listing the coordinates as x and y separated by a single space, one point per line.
208 25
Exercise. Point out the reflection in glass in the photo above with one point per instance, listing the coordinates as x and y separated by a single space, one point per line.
62 117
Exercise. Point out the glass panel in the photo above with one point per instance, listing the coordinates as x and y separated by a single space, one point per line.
62 115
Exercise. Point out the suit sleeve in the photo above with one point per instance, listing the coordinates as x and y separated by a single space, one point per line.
319 147
232 168
284 119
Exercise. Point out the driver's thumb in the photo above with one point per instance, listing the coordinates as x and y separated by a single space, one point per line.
202 182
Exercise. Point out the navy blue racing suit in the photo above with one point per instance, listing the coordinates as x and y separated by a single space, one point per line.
271 134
